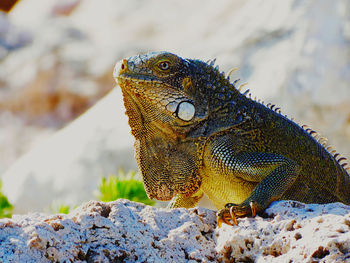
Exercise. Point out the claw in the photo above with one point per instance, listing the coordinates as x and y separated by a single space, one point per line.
221 220
232 211
233 216
225 216
253 206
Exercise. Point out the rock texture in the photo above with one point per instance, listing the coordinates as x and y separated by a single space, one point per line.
125 231
293 232
120 231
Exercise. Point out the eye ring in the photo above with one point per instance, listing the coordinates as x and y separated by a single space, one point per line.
164 65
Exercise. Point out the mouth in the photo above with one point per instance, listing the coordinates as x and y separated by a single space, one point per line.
123 72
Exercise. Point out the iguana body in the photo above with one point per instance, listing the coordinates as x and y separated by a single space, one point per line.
197 134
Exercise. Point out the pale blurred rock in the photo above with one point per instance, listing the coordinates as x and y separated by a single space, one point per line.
68 166
11 130
11 37
125 231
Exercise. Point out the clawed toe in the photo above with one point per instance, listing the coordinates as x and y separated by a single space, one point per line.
225 216
253 207
233 216
232 211
222 218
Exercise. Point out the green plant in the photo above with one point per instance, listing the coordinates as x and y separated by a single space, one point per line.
5 206
58 208
127 186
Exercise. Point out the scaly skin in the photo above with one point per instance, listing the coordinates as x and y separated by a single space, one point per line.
197 134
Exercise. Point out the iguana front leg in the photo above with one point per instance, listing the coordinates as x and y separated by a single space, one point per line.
271 174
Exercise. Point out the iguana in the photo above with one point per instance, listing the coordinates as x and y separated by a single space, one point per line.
196 133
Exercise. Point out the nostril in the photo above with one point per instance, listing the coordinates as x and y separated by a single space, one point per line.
124 65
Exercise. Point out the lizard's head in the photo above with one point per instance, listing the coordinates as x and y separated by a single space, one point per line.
166 98
159 93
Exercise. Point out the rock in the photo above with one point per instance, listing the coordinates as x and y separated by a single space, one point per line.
120 231
68 166
124 231
293 232
11 37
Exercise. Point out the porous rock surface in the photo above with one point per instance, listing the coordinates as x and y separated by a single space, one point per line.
100 232
292 232
124 231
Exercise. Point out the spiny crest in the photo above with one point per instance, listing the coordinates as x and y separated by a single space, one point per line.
215 68
211 62
231 72
274 108
249 95
324 142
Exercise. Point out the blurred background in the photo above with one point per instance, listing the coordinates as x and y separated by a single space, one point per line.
57 59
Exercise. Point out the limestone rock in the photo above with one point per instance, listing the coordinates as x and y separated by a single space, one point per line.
120 231
124 231
293 232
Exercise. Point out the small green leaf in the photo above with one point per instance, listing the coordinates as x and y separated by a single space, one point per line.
59 208
127 186
5 206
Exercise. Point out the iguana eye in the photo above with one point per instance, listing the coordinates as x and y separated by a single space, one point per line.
164 65
185 111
